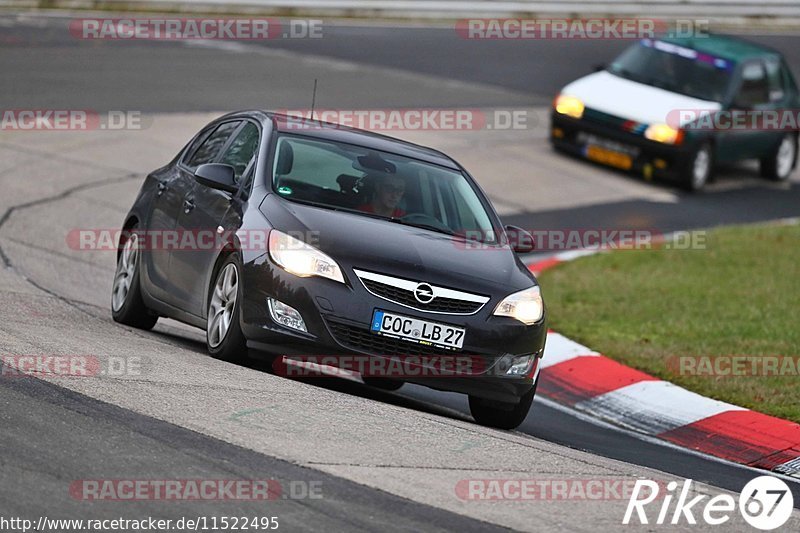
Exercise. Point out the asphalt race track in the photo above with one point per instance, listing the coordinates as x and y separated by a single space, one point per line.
388 461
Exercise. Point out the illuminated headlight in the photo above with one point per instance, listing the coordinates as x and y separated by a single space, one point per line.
663 133
300 259
569 105
525 306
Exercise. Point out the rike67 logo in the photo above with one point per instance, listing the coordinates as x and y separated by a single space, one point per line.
765 503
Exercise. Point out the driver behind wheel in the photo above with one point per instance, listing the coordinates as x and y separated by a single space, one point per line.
389 191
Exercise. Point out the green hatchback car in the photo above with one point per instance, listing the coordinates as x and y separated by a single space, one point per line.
673 108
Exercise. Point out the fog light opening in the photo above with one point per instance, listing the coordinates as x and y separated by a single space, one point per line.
521 365
286 315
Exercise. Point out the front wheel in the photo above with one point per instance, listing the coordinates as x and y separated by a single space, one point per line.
698 168
502 415
224 337
779 164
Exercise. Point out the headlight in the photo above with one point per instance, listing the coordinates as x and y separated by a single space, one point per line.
569 105
664 134
526 306
300 259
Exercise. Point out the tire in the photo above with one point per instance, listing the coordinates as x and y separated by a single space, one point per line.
779 164
502 415
224 337
698 169
383 383
127 305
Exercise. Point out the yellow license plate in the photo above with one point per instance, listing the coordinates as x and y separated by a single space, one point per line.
609 157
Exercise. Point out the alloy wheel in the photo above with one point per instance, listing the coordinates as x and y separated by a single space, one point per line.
701 168
785 158
126 270
223 303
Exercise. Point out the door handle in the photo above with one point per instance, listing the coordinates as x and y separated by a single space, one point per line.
161 188
188 205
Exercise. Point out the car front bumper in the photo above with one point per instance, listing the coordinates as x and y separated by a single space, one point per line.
338 317
649 159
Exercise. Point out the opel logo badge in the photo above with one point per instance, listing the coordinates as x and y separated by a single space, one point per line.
424 293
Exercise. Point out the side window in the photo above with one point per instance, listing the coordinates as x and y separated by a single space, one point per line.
242 149
314 163
208 151
775 80
755 88
200 139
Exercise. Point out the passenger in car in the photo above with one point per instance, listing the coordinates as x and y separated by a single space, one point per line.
389 191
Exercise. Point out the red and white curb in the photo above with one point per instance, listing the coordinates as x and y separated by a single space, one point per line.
580 378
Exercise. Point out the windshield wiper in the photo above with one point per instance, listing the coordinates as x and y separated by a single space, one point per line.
431 227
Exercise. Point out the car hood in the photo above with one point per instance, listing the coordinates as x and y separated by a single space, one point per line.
367 243
635 101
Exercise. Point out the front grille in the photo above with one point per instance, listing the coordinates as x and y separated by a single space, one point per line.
615 122
361 339
406 297
402 291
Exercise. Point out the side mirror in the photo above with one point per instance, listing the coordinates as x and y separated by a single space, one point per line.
217 176
520 240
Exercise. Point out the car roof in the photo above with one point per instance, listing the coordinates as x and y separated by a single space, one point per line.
723 46
338 133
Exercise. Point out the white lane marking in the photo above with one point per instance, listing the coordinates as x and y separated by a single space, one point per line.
576 254
653 407
590 419
559 349
790 468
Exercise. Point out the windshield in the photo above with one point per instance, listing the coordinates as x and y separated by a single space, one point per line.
675 68
379 184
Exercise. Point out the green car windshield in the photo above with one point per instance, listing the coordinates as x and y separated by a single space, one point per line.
676 69
379 184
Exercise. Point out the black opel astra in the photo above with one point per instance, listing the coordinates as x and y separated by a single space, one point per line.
299 238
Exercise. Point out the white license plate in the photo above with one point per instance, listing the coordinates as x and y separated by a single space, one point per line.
587 139
416 330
